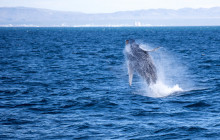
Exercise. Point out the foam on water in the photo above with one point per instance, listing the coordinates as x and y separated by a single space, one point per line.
162 90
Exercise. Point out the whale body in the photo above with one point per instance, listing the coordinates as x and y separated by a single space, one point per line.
139 60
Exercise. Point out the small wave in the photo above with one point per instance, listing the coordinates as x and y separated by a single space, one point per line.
198 104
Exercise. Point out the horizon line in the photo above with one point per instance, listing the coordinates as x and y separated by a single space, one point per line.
100 26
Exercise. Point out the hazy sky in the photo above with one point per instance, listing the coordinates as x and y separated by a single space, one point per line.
109 6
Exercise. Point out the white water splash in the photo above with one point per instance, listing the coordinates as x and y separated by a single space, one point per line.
161 90
167 68
170 73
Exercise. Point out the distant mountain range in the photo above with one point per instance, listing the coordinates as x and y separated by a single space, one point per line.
22 16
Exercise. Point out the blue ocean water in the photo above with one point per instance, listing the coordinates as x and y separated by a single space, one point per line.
72 83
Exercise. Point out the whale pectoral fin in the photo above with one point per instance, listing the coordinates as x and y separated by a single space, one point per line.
154 49
130 78
130 73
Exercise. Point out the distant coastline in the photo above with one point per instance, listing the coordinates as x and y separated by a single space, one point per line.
104 26
33 17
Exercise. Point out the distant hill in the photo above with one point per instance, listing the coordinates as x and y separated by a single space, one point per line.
22 16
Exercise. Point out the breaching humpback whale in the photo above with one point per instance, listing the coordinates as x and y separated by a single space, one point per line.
138 60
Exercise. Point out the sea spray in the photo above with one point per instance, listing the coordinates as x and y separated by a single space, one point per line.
167 75
167 71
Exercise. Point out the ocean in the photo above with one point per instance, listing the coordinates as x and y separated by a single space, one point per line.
72 83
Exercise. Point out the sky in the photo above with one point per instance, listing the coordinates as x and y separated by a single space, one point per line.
109 6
